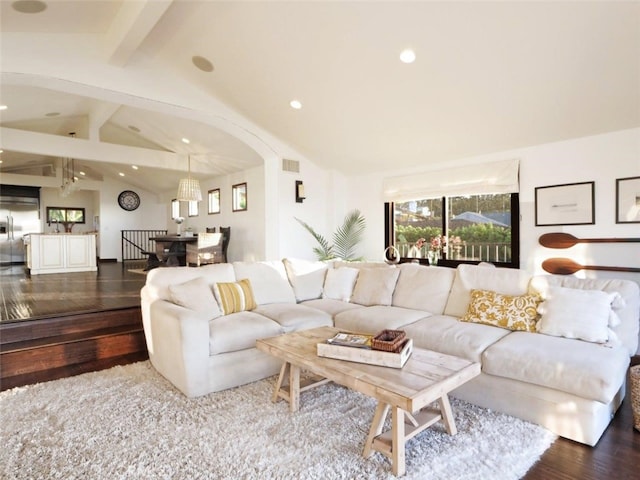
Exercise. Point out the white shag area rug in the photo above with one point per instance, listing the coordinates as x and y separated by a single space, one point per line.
130 423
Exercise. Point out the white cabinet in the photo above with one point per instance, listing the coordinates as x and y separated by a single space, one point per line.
60 253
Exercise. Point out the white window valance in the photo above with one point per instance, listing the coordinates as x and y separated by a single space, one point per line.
477 179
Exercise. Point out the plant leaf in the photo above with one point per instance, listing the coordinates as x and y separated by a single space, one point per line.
347 237
324 251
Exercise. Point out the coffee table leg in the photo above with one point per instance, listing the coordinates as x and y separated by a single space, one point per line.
281 377
447 415
397 446
377 425
294 388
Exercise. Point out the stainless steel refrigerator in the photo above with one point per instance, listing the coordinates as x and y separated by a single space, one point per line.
18 216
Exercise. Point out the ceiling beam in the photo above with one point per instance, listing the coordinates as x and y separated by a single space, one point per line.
12 139
98 116
132 24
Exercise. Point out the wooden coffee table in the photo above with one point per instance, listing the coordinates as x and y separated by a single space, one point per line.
409 393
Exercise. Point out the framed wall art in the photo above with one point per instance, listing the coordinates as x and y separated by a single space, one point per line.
568 204
628 200
239 197
214 201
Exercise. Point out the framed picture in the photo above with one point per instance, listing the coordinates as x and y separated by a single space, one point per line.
569 204
193 208
214 201
175 209
628 200
239 194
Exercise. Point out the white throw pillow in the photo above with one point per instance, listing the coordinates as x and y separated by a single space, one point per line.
576 313
339 283
195 295
375 286
306 277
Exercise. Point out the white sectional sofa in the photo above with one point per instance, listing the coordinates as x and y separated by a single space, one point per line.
572 386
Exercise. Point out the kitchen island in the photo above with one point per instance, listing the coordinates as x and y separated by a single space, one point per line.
61 252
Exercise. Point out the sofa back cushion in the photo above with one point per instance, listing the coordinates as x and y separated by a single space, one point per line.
339 283
159 279
423 288
306 277
627 310
195 295
507 281
375 286
268 281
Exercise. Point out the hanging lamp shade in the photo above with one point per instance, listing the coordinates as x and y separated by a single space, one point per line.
189 188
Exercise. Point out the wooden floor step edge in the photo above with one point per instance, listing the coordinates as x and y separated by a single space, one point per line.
67 338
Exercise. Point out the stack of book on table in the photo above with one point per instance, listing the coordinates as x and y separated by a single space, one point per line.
388 348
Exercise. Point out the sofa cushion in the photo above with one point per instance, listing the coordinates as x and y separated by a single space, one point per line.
507 281
235 297
589 370
239 331
195 294
446 334
423 288
339 283
376 318
295 317
306 277
513 312
375 286
331 306
159 279
268 281
577 313
627 311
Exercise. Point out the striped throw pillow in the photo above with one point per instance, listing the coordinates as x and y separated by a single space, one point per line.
235 296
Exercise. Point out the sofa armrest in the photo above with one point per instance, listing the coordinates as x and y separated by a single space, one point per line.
179 346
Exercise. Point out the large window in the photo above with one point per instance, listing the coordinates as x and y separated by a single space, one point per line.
457 229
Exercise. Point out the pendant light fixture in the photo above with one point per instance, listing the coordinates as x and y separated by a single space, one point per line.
189 188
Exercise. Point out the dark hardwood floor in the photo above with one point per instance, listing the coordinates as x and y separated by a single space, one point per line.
57 325
103 310
615 457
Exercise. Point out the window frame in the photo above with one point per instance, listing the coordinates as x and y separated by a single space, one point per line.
65 214
389 235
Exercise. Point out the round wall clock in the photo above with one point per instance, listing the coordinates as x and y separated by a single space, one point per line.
129 200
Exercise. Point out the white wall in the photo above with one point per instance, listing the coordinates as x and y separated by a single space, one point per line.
50 197
247 227
600 158
151 214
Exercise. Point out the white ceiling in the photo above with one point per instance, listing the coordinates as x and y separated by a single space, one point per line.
489 76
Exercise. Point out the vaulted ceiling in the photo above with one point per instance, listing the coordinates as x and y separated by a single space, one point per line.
488 76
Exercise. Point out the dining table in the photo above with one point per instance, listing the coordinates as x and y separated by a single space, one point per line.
172 249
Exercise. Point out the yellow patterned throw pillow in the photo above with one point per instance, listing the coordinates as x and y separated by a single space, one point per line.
505 311
235 296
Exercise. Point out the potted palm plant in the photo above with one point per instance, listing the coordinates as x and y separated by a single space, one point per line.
345 238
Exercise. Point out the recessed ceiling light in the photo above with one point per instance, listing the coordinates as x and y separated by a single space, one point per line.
135 167
52 114
296 104
3 107
29 6
82 173
134 128
186 140
408 56
202 63
121 174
